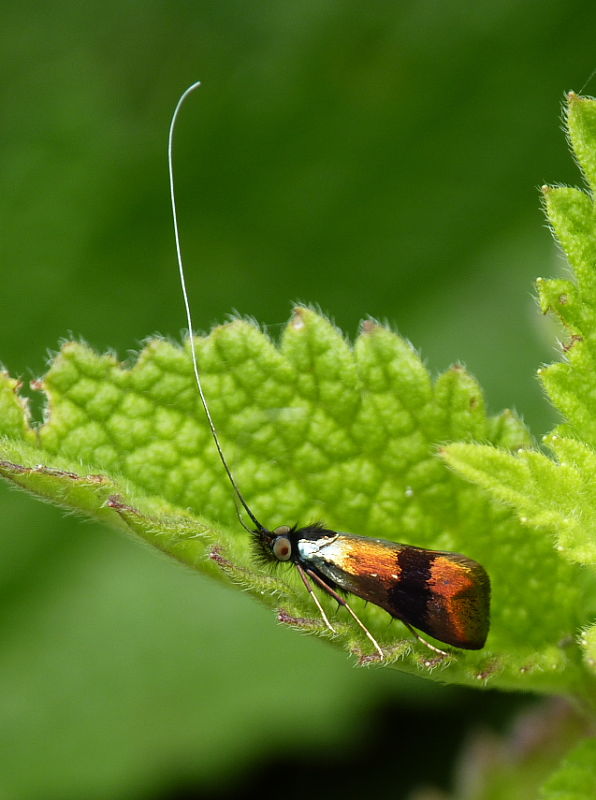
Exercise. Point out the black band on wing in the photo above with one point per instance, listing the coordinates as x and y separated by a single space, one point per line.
411 595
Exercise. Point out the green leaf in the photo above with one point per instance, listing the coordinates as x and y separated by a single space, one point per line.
545 493
313 429
555 497
515 764
14 410
588 642
570 384
575 778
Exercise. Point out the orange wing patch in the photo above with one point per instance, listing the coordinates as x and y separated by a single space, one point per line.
458 588
368 557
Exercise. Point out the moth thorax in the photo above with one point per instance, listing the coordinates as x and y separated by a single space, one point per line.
282 546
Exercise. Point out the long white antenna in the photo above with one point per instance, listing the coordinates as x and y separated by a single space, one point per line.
187 307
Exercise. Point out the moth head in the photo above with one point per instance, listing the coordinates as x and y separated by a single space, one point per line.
274 546
281 545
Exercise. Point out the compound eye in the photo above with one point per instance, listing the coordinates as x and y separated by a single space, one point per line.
282 530
282 548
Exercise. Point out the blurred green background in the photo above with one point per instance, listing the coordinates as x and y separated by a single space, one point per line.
380 159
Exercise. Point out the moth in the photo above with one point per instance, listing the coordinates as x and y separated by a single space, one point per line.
445 595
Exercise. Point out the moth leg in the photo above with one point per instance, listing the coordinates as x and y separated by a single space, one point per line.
343 602
423 641
309 589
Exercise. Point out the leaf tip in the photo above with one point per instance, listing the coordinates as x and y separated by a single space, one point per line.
369 326
298 320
